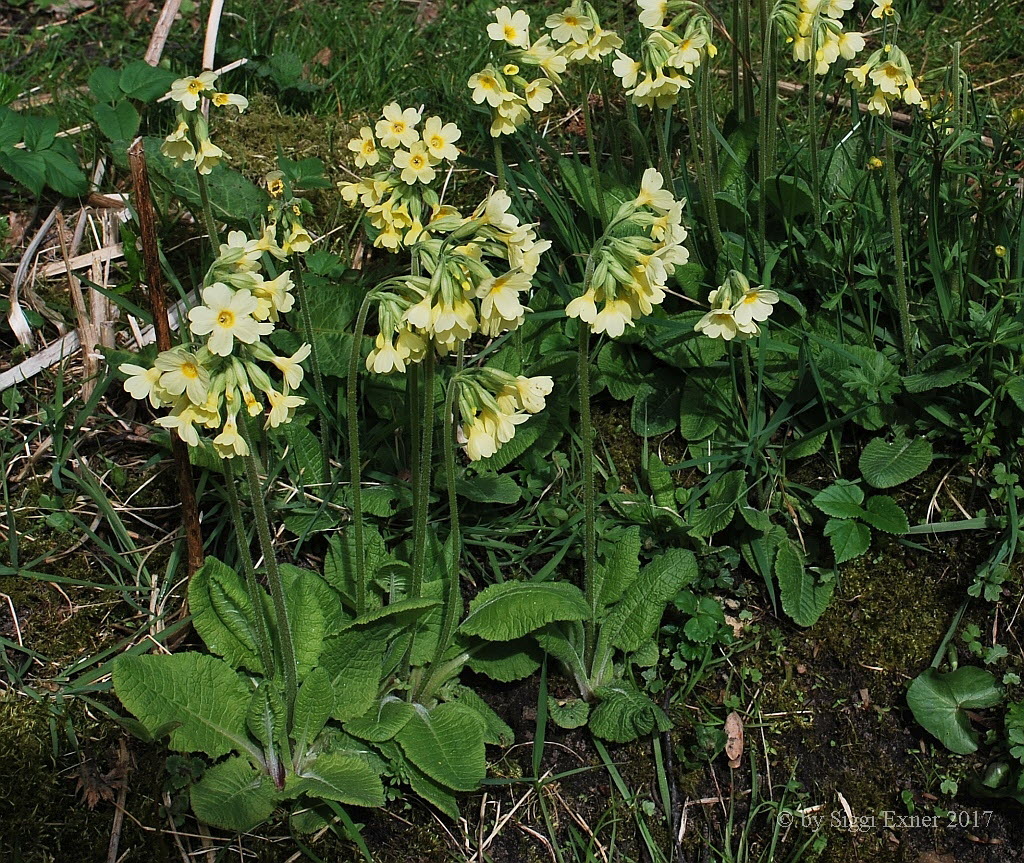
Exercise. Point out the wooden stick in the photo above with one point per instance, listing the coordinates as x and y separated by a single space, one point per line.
161 31
154 279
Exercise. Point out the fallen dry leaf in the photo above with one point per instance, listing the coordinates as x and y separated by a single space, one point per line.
734 739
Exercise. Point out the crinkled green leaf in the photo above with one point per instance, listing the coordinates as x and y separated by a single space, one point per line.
314 705
511 609
201 692
803 597
849 538
352 661
496 731
886 515
621 567
447 744
342 777
224 616
842 499
382 721
233 795
886 464
505 661
623 713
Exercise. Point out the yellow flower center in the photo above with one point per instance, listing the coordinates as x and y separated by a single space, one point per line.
368 147
190 370
511 34
275 187
488 82
397 127
220 99
226 319
417 162
437 142
195 86
571 21
511 69
750 298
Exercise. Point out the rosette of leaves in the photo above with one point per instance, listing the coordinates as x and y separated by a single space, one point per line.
851 518
232 709
630 600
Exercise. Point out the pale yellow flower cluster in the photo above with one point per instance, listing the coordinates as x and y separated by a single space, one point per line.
575 35
492 403
474 281
818 34
679 37
630 272
190 140
736 309
287 209
207 385
397 196
889 73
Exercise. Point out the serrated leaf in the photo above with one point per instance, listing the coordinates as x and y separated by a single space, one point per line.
886 515
433 792
233 795
505 661
849 538
654 411
494 488
938 702
511 609
305 448
447 744
27 168
201 692
634 619
842 499
314 705
352 661
621 568
382 721
342 777
141 81
568 713
267 715
803 598
624 713
224 616
119 122
496 731
885 464
63 175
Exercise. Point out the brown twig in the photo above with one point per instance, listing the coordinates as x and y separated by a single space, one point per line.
157 304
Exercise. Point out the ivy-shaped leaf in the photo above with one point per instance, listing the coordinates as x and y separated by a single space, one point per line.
939 701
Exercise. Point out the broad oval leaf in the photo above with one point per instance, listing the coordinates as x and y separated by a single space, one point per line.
447 744
938 702
201 692
803 597
233 795
224 615
887 464
842 499
342 777
352 662
849 538
314 704
506 611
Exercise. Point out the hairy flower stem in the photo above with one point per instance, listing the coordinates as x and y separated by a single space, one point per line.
453 589
306 321
664 160
766 155
252 586
812 108
355 465
208 219
589 492
421 478
595 167
902 298
259 508
499 164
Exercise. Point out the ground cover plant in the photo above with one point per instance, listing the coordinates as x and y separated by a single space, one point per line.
484 431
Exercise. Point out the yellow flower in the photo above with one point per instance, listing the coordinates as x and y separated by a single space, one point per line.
225 316
754 305
209 156
229 442
613 318
440 139
718 324
142 383
652 194
850 45
551 61
911 95
487 88
186 90
878 104
365 148
626 69
874 163
511 27
298 240
290 368
274 297
858 75
583 307
1000 252
386 356
883 9
183 419
223 100
530 393
415 164
889 78
183 373
569 26
398 128
282 407
178 145
652 13
538 93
